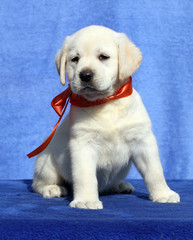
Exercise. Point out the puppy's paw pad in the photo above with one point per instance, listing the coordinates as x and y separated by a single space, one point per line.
52 191
170 197
86 204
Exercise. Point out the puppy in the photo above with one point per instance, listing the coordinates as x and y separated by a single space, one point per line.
92 150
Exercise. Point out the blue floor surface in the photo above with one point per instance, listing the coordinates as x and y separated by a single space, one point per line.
27 215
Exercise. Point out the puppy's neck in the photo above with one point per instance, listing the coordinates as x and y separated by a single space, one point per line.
125 91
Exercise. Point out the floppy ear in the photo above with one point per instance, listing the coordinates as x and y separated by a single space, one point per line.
60 61
130 57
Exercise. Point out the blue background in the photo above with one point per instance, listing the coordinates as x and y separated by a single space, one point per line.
31 32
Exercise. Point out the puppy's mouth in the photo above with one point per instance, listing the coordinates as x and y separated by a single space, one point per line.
89 89
92 93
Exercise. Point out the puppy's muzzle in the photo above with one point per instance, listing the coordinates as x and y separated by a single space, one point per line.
86 75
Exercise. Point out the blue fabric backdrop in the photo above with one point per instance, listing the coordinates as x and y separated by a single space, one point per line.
31 32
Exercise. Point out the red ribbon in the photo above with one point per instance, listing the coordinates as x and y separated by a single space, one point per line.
60 103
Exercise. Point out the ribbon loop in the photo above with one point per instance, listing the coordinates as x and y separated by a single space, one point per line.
59 101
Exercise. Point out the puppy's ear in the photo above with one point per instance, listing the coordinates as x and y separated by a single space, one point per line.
130 57
60 61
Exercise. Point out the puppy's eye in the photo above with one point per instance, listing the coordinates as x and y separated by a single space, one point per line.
103 57
75 59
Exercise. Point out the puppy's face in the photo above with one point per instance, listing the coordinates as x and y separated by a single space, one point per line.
92 64
92 58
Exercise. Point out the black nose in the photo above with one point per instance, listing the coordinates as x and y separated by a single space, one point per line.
86 75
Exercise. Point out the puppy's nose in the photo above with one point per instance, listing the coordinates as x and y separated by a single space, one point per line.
86 75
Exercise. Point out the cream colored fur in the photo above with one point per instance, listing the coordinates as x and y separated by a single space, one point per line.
93 148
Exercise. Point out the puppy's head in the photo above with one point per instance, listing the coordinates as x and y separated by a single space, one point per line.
97 61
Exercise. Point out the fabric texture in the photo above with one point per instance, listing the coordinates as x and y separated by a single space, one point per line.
27 215
33 31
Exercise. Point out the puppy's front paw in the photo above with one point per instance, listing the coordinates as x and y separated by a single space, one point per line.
166 197
86 204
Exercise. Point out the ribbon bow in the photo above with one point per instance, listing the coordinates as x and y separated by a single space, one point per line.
60 103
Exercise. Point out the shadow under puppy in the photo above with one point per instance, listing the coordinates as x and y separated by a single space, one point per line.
93 148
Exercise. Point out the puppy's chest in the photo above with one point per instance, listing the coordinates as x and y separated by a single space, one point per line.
110 131
113 146
113 120
111 139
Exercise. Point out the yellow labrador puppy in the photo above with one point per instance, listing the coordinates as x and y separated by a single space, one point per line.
93 148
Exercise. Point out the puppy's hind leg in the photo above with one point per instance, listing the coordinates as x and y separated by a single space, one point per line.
47 180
